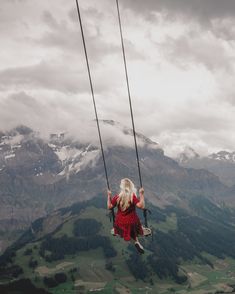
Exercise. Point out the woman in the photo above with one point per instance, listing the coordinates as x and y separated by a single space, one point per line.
127 224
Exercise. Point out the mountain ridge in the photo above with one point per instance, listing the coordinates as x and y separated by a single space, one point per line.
38 175
221 163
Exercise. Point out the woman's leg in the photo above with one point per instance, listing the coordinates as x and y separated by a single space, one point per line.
138 246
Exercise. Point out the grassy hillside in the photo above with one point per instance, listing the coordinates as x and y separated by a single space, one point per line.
72 251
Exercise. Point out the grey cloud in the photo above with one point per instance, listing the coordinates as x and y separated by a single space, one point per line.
67 38
57 38
195 49
45 76
49 20
62 114
61 78
44 114
19 108
88 13
22 99
202 9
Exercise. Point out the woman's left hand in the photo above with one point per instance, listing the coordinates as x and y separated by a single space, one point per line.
141 190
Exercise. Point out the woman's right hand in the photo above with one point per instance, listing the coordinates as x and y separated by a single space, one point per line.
109 193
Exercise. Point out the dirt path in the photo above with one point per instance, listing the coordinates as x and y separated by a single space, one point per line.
44 270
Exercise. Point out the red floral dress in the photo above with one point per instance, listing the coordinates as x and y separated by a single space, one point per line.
127 223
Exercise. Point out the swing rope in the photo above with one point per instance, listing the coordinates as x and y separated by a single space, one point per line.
92 94
145 211
94 103
129 93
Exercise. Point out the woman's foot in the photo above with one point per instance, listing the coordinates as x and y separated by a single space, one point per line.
139 247
113 232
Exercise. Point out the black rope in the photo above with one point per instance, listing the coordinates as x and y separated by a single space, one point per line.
94 103
145 211
129 94
92 93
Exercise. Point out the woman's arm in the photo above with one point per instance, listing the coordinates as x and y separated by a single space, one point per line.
141 203
109 204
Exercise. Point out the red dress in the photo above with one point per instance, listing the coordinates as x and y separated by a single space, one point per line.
127 223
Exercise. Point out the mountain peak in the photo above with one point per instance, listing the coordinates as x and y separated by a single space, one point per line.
21 130
187 154
223 156
129 131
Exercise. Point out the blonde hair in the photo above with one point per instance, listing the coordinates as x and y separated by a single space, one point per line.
126 194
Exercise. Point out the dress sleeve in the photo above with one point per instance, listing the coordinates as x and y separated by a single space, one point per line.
135 199
114 200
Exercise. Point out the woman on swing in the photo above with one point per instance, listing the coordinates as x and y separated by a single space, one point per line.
127 224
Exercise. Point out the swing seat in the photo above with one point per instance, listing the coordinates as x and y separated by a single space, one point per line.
147 232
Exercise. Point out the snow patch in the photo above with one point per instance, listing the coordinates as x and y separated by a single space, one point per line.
10 156
67 154
84 159
39 174
14 141
53 146
88 159
16 146
223 156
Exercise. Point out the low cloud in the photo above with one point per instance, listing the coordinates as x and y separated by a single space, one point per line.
42 75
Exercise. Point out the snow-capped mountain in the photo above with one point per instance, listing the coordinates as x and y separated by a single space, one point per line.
51 163
39 175
223 156
221 163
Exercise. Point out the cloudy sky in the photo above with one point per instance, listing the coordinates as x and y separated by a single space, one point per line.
181 63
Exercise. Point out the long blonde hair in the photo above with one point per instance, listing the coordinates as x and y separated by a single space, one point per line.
126 194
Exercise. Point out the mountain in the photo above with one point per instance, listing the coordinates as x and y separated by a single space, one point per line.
221 163
53 203
72 251
39 175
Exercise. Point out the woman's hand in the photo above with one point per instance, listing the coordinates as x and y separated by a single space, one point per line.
109 197
141 203
141 190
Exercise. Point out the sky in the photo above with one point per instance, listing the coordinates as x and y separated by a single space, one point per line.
180 58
